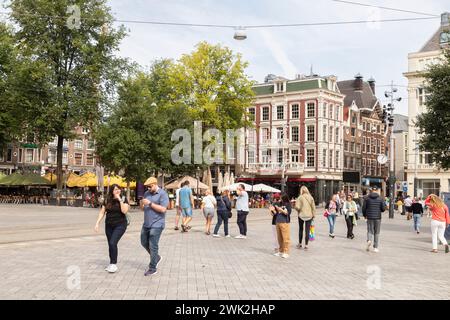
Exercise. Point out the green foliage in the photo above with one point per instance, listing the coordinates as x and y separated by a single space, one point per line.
434 123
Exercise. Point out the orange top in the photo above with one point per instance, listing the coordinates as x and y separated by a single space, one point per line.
439 214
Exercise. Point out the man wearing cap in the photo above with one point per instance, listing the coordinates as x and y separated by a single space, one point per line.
154 204
372 208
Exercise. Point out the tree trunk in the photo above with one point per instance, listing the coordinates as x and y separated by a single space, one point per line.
59 158
128 191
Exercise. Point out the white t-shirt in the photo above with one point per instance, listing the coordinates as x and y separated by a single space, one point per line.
408 202
209 201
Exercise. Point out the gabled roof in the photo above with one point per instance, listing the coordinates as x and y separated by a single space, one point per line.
434 43
364 98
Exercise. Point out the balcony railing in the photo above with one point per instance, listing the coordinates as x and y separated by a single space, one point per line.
276 143
273 168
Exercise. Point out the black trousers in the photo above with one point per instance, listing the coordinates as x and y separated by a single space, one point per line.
242 222
301 226
349 221
113 234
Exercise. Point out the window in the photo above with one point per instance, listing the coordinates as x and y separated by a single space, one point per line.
337 160
324 110
280 133
378 128
324 158
251 157
378 146
9 153
337 136
29 155
374 146
91 145
330 135
252 136
354 163
90 159
352 147
265 114
345 145
280 112
358 164
52 156
354 120
364 166
353 132
265 135
345 162
368 146
330 160
311 109
295 156
294 134
20 155
310 157
280 156
295 111
330 113
420 158
364 126
422 96
266 156
428 159
251 114
78 159
368 126
280 87
358 148
337 112
310 133
65 158
364 144
79 144
325 133
65 143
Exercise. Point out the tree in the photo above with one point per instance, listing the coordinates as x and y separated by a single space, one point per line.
10 120
136 137
434 123
71 69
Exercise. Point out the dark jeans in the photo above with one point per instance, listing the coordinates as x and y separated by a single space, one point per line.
150 241
373 231
349 221
113 234
242 222
222 216
301 224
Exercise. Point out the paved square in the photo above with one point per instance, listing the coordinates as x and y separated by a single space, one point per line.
44 249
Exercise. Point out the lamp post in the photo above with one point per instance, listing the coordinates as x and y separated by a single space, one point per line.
388 114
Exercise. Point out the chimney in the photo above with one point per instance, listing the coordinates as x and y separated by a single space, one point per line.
372 84
445 19
358 82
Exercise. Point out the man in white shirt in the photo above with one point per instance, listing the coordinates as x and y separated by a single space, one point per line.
242 211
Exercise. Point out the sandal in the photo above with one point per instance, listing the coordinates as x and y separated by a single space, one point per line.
434 251
299 246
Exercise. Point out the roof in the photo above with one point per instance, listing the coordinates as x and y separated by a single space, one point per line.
363 99
400 123
292 86
434 43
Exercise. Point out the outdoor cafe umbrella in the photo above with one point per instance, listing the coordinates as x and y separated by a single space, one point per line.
192 183
30 179
233 187
264 188
219 181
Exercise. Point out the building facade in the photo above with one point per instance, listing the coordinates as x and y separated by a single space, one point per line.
423 175
297 136
400 131
366 135
78 155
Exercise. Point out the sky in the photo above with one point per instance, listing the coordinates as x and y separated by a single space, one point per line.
378 50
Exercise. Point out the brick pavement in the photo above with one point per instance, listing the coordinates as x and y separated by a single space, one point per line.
49 240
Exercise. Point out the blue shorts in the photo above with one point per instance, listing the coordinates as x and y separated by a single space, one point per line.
186 212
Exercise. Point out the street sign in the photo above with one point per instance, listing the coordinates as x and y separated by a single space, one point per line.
405 186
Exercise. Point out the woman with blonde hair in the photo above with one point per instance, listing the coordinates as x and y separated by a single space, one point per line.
208 206
306 209
439 219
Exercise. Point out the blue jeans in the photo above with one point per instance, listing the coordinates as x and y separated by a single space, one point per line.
331 221
416 218
150 241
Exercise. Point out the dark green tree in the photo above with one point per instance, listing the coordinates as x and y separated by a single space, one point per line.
434 123
70 75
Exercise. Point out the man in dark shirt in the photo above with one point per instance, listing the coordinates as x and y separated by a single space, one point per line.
417 211
372 209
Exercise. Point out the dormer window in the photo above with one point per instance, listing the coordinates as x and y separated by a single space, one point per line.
280 86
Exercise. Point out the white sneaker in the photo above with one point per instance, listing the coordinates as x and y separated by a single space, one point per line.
285 256
239 237
217 236
227 236
112 268
107 267
277 254
369 243
376 250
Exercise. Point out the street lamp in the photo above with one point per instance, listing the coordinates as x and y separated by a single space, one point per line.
240 34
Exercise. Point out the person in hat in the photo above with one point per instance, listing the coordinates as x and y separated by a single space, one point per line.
372 209
154 204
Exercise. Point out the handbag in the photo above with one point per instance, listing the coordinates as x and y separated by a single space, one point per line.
312 232
326 214
230 213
